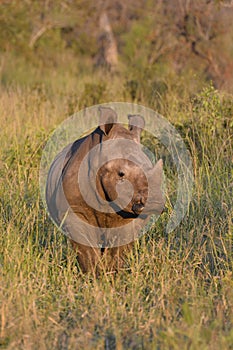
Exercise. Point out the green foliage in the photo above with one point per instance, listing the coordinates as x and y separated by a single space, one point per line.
14 25
154 36
94 93
212 111
133 41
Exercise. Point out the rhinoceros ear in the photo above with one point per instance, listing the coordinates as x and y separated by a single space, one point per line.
107 119
136 124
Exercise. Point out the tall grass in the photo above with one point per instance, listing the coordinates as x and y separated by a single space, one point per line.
176 291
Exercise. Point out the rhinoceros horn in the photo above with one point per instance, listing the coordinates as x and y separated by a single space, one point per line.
156 199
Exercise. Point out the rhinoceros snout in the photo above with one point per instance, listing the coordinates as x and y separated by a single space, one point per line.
138 206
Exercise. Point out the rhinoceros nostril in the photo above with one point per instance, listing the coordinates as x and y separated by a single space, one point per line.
137 208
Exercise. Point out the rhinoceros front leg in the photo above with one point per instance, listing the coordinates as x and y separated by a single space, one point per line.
88 257
117 257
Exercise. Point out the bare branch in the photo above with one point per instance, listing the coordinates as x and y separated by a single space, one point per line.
41 27
38 34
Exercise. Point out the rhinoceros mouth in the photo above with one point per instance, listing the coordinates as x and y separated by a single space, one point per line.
131 215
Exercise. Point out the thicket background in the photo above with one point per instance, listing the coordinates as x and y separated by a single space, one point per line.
176 57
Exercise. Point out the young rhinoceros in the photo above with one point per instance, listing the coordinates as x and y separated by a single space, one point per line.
102 189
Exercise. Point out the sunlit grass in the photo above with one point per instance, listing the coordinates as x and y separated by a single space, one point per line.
176 291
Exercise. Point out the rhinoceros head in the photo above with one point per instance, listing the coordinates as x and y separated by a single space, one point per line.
126 179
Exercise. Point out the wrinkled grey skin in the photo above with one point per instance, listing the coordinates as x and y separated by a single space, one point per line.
126 192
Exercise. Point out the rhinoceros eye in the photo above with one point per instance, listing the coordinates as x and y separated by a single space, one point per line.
121 174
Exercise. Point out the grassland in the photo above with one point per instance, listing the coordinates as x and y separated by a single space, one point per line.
176 291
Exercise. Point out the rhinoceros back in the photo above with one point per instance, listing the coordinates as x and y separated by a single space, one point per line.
54 189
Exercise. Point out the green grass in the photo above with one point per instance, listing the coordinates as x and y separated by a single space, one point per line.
176 291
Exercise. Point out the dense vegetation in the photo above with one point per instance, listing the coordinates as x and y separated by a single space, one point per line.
177 290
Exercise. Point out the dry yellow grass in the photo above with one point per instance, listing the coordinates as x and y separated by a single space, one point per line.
177 289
